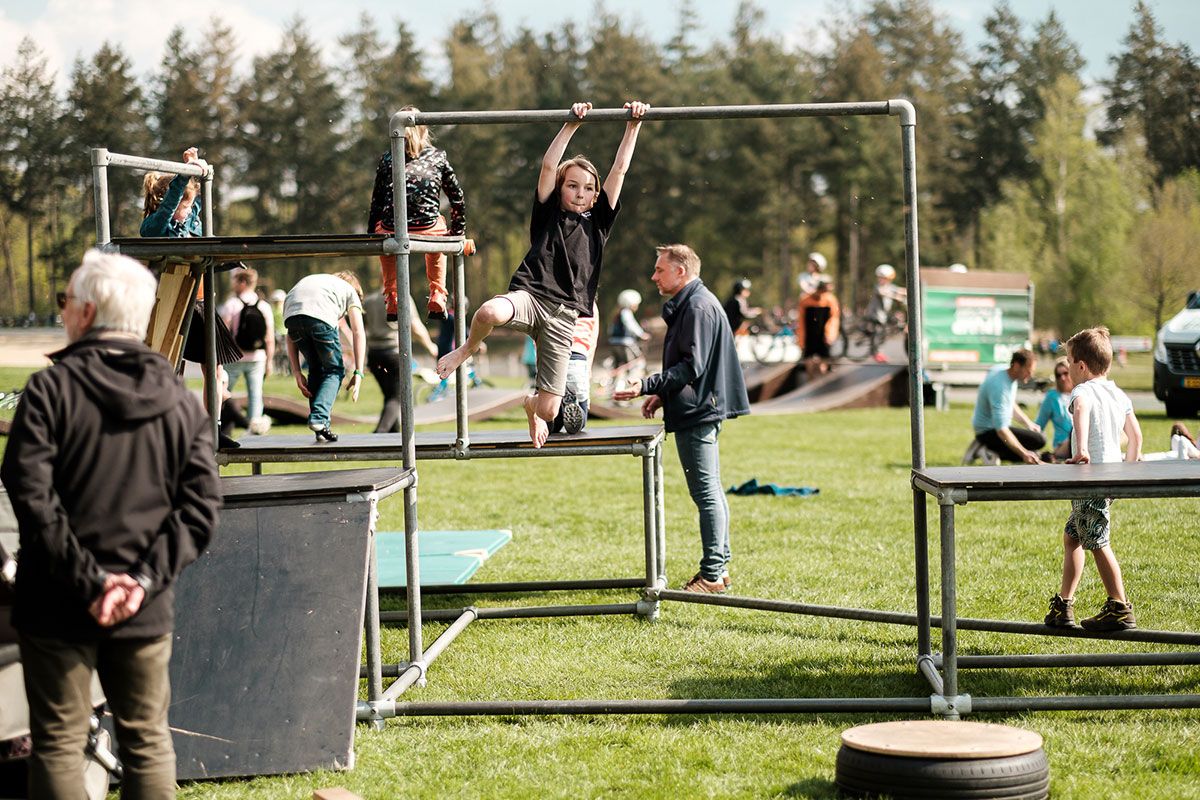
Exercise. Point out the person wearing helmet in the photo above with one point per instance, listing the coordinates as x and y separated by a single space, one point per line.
737 308
883 299
626 335
813 268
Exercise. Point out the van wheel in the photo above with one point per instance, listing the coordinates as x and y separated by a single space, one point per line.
1180 409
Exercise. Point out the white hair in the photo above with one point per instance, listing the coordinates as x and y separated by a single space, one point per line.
121 289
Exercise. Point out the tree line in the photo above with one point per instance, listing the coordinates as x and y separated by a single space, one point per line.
1096 194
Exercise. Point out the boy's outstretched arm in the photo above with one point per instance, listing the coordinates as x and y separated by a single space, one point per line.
554 153
616 176
1133 432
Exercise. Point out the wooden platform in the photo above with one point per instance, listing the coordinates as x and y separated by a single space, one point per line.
942 739
437 444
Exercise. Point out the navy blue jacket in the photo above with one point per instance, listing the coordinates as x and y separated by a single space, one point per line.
701 381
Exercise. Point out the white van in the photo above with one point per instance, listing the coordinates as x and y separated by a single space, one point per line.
1177 361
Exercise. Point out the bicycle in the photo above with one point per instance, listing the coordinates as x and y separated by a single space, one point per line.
611 378
772 338
861 337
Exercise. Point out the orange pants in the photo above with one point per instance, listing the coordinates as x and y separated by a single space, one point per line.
435 268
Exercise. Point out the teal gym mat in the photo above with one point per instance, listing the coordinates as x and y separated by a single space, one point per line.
446 557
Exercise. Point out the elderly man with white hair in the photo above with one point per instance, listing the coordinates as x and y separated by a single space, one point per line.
110 471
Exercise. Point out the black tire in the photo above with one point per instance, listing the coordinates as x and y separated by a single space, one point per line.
1180 409
1020 776
858 345
840 345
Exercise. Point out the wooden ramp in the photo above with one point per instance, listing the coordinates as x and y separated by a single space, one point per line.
848 386
482 403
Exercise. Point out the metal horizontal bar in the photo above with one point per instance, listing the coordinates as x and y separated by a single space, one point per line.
157 164
1085 703
516 612
1076 660
822 705
386 670
898 618
878 108
501 587
531 452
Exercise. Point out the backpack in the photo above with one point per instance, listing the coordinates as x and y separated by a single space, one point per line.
252 327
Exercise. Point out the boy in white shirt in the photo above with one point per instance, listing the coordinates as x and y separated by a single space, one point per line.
1100 412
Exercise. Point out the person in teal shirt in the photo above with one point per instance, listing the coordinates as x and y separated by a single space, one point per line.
1054 410
995 407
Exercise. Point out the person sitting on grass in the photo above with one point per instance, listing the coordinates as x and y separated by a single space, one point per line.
995 407
1100 413
311 312
1054 411
556 282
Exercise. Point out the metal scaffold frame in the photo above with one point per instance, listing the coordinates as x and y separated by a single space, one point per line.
948 486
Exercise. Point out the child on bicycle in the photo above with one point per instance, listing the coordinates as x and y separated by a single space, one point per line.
626 334
556 282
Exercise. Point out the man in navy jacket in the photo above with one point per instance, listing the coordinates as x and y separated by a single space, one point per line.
700 386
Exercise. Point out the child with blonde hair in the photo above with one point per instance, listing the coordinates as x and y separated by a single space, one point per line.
427 175
555 284
1100 413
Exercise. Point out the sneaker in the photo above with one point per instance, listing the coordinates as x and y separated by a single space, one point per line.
880 358
703 585
1062 612
323 434
1114 616
725 579
227 442
260 425
572 414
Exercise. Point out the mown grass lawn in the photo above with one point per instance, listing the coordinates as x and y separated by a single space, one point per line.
849 545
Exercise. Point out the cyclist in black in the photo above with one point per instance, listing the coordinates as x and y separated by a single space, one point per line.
737 308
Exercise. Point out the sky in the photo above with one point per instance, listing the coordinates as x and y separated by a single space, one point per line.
67 29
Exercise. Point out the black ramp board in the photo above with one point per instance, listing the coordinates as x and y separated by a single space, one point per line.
264 673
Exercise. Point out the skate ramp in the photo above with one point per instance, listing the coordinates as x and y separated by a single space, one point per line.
847 386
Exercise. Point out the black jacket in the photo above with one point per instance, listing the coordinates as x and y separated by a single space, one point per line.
109 468
701 381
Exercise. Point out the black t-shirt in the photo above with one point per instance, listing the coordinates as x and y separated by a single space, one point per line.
735 311
565 252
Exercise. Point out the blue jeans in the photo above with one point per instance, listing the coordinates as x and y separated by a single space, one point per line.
321 347
701 460
253 371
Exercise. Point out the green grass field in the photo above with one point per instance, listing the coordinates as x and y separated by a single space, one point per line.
849 545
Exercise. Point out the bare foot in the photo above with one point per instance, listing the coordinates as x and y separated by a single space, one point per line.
539 431
451 361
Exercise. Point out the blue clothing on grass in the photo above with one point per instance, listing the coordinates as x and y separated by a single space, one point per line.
1054 411
994 403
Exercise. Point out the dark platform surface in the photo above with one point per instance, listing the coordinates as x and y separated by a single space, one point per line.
243 248
264 673
311 486
366 446
1052 481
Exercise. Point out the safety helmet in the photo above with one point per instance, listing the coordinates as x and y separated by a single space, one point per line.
629 298
819 260
741 285
885 271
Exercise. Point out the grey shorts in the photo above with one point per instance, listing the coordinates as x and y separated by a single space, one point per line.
1090 523
551 326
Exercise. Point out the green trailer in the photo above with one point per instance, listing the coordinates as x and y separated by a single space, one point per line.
974 320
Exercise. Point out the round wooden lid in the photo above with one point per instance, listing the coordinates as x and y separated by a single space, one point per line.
932 738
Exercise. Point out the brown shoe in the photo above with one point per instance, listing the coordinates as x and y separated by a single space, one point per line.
725 579
703 585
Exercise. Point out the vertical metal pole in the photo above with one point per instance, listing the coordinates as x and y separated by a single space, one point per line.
460 334
660 513
648 519
211 390
404 337
100 193
949 605
371 624
208 206
912 262
921 548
